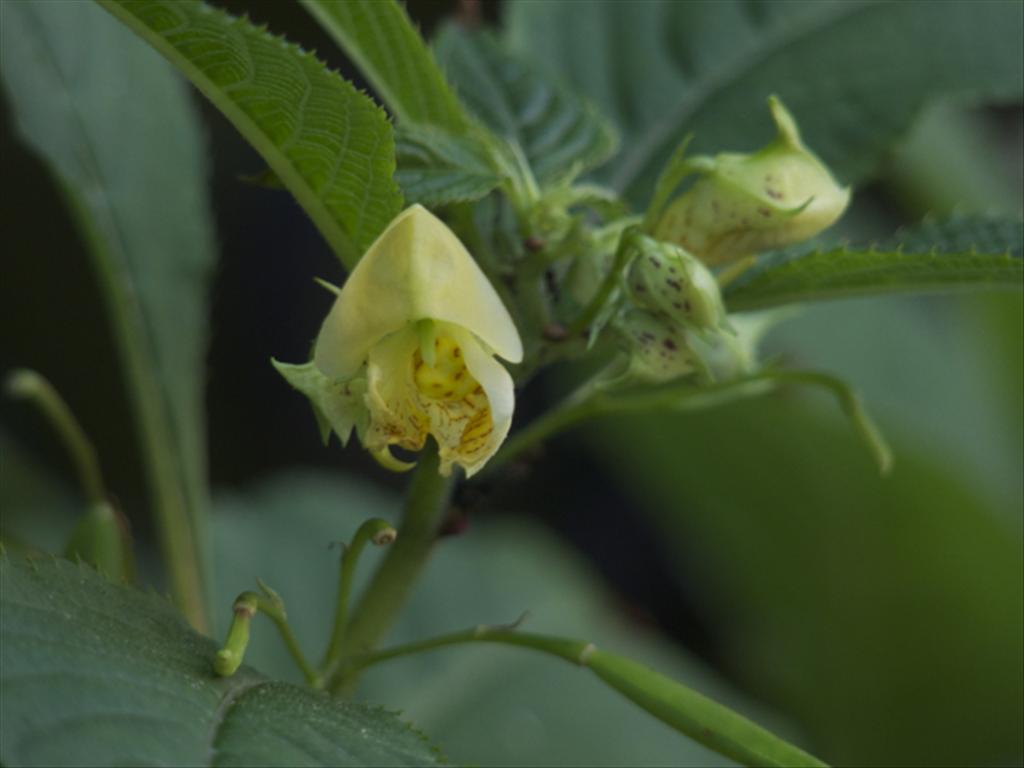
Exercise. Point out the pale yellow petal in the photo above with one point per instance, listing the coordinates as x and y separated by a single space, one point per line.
416 269
481 440
396 417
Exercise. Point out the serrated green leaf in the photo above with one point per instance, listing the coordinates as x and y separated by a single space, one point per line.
379 37
558 131
133 171
95 673
436 167
329 144
854 74
961 253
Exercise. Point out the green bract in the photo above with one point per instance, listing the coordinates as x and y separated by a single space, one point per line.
744 204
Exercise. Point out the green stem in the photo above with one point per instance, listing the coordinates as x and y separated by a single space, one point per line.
590 401
32 386
379 532
623 254
688 711
425 508
290 641
852 406
177 506
229 658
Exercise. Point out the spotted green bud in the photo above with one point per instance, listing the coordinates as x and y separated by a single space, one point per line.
667 280
659 350
747 203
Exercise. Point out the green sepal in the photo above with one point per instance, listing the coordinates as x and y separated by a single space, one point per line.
339 405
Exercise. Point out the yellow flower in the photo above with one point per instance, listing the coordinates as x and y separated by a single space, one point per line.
744 204
422 323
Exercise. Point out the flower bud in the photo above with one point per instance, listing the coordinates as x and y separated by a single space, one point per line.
744 204
659 349
667 280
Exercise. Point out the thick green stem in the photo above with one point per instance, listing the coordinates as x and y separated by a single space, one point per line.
425 508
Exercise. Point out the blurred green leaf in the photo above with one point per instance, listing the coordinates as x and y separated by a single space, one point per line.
109 117
436 167
379 37
556 129
102 674
40 510
853 73
960 253
329 144
884 614
485 705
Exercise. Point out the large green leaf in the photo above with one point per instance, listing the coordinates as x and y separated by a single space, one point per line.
436 167
547 713
960 253
118 129
329 144
556 129
94 673
378 36
853 73
857 602
40 509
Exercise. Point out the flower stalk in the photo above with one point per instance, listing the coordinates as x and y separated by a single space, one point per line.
391 585
380 533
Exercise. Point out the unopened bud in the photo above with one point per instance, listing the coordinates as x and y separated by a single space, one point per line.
667 280
659 350
747 203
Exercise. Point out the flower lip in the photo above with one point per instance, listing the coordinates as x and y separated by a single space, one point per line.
417 269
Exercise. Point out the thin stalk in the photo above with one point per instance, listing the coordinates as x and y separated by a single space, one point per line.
32 386
852 406
290 641
229 658
380 533
426 504
590 401
726 732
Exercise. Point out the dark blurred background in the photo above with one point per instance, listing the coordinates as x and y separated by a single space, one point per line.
694 576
